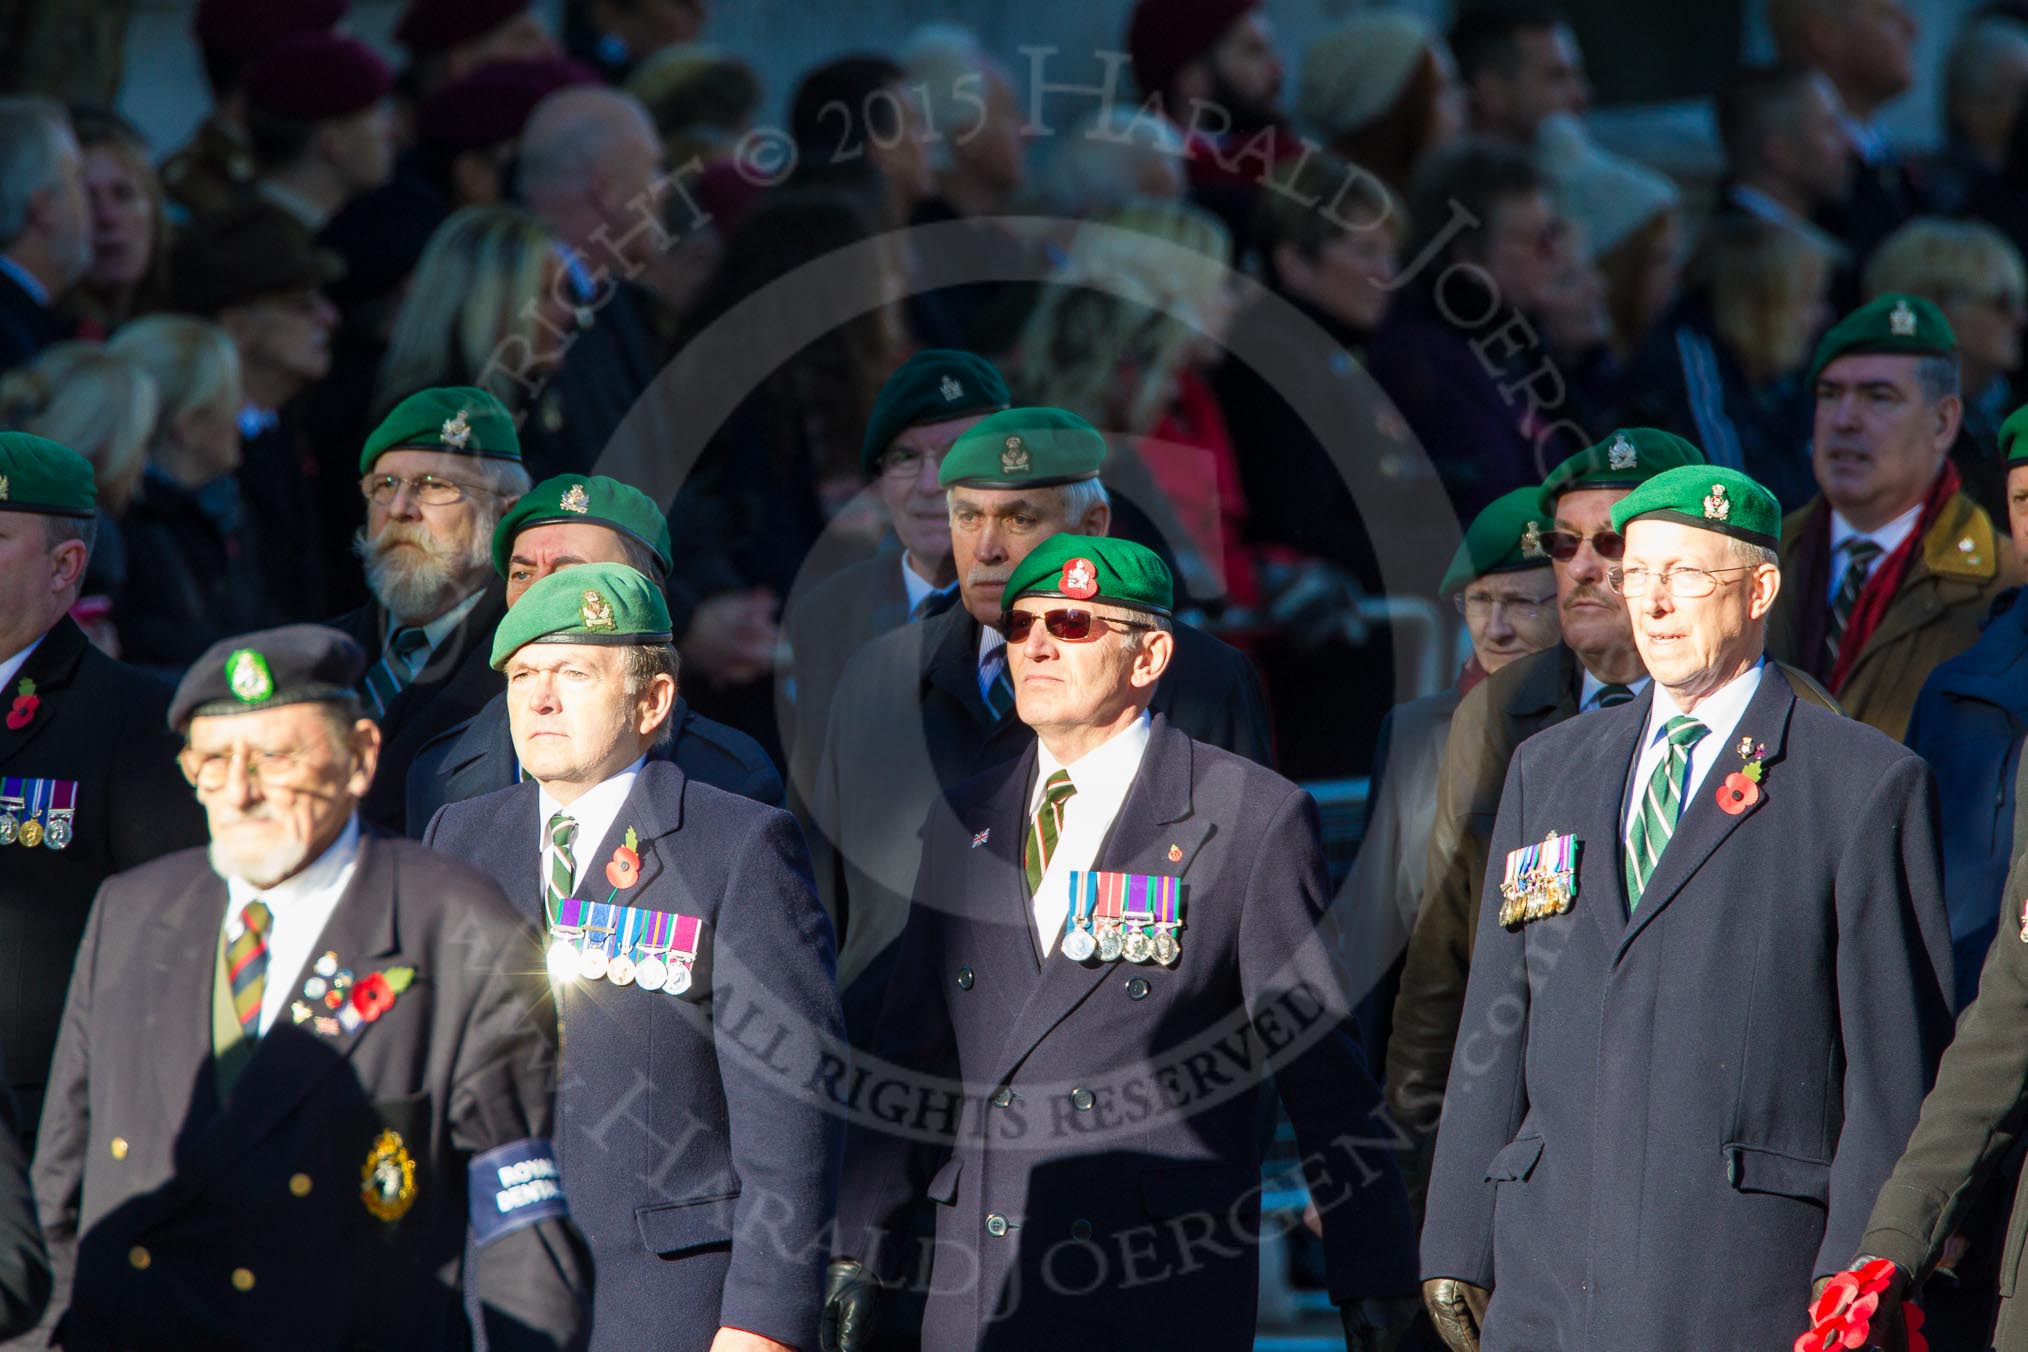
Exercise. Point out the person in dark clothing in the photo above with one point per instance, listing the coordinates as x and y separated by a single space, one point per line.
45 225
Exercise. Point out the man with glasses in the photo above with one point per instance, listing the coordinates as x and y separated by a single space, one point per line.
306 1065
1088 917
439 473
1712 980
1891 568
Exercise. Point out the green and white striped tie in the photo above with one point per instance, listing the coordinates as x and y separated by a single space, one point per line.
562 875
1045 827
1661 803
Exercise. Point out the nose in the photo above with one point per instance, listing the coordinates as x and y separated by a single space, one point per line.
990 547
404 505
926 475
544 699
240 789
1038 645
1586 565
1497 625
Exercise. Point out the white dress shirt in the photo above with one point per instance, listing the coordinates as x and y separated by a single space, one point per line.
1102 777
1720 712
992 655
11 667
593 812
1590 687
298 908
1888 537
918 588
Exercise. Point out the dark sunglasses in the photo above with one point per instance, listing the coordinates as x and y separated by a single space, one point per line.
1562 544
1070 625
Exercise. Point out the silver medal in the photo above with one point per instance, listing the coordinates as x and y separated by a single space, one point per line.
1136 946
651 974
10 828
620 971
562 960
1167 950
679 978
58 834
1078 945
1109 945
592 963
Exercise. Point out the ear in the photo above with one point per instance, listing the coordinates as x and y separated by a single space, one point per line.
67 565
364 745
1950 416
1767 584
1096 521
656 702
1157 649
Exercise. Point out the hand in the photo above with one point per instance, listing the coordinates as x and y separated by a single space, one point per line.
732 637
1458 1309
739 1340
1377 1325
851 1307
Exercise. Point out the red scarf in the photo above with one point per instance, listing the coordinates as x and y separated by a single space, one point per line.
1470 675
1880 589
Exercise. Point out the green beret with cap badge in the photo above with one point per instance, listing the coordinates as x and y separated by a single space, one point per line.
1025 448
1094 568
293 664
592 498
1628 458
1893 322
44 477
593 603
1505 537
1707 496
935 385
455 418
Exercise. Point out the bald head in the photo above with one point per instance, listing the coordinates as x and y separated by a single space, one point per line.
589 158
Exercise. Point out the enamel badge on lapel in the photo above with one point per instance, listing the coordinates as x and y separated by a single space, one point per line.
352 1002
1540 880
387 1179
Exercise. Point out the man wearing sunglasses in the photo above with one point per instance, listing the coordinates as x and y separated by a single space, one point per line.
1711 984
437 475
1062 1005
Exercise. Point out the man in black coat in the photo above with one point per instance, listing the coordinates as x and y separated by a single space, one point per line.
563 522
304 1088
51 246
88 782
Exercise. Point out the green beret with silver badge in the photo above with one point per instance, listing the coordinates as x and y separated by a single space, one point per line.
591 498
1892 322
458 419
1025 448
1505 537
293 664
1710 497
935 385
1628 458
44 477
1094 568
594 603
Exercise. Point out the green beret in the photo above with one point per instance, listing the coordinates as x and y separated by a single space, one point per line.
1711 496
1892 322
1025 448
2013 446
295 664
1093 568
935 385
1503 538
591 498
593 603
38 475
1628 458
454 418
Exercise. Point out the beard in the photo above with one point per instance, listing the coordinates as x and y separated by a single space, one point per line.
263 865
422 582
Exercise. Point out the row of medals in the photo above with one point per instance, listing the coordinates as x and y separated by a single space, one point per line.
594 964
32 832
1111 944
1542 892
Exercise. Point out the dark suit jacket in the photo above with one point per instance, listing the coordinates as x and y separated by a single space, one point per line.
477 757
908 722
1676 1122
823 627
453 685
607 367
154 1194
1104 1175
26 325
103 725
701 1159
24 1262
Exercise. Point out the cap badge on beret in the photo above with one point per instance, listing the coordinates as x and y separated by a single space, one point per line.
597 614
1621 454
576 500
3 488
1079 580
1531 543
1014 459
1717 507
950 389
246 671
456 431
1902 320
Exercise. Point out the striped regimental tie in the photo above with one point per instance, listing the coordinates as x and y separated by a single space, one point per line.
561 874
1000 694
1611 695
396 668
1859 556
1045 828
246 964
1661 803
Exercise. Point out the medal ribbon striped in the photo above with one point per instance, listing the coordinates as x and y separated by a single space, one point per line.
1083 896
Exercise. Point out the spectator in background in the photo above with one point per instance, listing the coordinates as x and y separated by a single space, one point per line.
1106 159
858 130
215 168
1984 78
622 36
701 99
45 225
1787 155
1975 276
1575 328
1630 218
1519 62
468 130
449 38
1382 92
317 114
255 273
103 407
193 571
129 228
1727 365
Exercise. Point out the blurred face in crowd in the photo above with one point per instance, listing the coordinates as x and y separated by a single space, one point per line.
285 337
1574 313
1510 615
360 147
1988 329
1545 75
915 504
123 218
523 37
989 146
993 529
1064 686
61 215
1524 249
37 583
422 559
1594 621
1879 441
623 185
1812 154
207 440
576 719
901 151
1692 645
2017 508
1349 277
1243 74
538 551
1874 54
278 784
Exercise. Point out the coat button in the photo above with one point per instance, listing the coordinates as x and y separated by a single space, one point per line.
1002 1096
1137 989
242 1279
1080 1229
996 1225
139 1258
1081 1099
299 1185
119 1147
964 978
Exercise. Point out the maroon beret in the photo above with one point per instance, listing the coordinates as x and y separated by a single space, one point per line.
1163 36
235 33
315 76
431 26
490 105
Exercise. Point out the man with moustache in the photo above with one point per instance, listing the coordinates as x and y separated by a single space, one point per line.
1891 568
303 1091
440 472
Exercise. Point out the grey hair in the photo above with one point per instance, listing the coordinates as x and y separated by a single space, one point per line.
643 665
1096 163
1080 497
1937 374
1751 554
34 137
507 478
59 530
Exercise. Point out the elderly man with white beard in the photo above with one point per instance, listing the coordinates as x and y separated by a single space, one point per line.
439 473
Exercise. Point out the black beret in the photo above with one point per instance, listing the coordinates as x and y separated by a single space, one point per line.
295 664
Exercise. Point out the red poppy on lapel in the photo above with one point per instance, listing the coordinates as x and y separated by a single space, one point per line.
625 869
26 702
1737 794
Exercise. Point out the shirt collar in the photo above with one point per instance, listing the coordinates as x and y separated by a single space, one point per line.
10 667
324 872
1720 711
1106 769
991 640
439 629
1888 537
594 809
916 587
1589 685
25 279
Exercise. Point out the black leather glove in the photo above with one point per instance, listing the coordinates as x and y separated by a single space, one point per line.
1458 1309
851 1307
